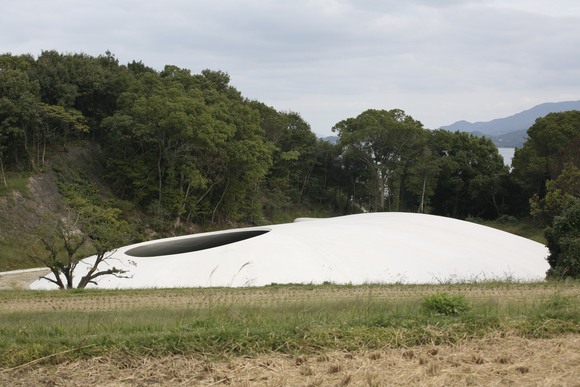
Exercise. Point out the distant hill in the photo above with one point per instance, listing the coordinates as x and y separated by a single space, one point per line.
330 139
508 132
512 131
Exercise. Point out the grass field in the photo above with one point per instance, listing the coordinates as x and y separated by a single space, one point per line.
524 228
314 335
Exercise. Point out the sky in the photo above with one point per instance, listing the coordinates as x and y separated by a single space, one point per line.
440 61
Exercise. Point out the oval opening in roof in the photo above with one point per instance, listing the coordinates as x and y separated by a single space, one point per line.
193 243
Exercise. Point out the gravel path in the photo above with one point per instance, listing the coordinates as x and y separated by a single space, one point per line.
20 279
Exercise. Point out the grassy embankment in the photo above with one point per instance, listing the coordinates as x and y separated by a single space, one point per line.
212 323
524 228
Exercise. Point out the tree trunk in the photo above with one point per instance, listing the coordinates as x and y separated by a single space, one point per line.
159 180
380 192
422 204
220 201
305 183
2 172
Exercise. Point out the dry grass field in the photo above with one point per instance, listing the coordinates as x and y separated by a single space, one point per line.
491 361
496 358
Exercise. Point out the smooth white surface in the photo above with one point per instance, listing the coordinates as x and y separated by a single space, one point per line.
356 249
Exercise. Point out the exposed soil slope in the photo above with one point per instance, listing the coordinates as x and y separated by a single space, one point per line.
21 213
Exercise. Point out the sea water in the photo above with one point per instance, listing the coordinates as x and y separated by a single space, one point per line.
507 154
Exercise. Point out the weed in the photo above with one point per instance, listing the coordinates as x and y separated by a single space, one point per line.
445 304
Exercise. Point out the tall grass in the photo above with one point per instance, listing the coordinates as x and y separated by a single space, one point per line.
13 256
15 181
524 228
289 325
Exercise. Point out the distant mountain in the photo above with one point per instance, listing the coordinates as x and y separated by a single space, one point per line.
508 132
330 139
510 140
512 131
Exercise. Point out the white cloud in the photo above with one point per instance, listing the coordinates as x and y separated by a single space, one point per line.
332 59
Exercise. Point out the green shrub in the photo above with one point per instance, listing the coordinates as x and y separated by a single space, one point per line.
564 243
507 219
445 304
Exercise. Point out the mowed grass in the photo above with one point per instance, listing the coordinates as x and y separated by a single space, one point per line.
59 326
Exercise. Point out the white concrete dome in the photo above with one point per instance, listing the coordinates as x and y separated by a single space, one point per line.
356 249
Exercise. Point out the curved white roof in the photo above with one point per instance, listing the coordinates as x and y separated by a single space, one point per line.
356 249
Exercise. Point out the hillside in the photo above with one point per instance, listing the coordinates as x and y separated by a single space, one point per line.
33 198
21 211
512 131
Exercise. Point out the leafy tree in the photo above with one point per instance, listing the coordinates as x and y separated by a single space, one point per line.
553 142
422 179
385 142
356 183
19 118
248 157
203 142
470 173
216 80
53 72
305 171
98 99
16 62
294 157
137 68
328 179
154 130
559 193
58 124
563 240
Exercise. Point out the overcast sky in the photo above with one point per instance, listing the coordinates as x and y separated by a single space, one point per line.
439 60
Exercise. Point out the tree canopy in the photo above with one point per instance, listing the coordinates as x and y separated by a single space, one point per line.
553 142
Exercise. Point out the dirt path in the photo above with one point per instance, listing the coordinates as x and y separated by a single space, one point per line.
20 279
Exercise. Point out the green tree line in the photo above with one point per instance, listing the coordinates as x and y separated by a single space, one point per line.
188 148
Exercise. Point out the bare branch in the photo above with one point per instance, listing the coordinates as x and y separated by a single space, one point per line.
59 283
62 241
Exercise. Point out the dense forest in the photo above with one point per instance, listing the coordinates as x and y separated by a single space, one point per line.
184 149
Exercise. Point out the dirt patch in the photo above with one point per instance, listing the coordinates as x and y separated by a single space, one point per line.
20 279
22 212
494 360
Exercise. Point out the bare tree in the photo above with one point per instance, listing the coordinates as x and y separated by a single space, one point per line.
61 245
94 273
